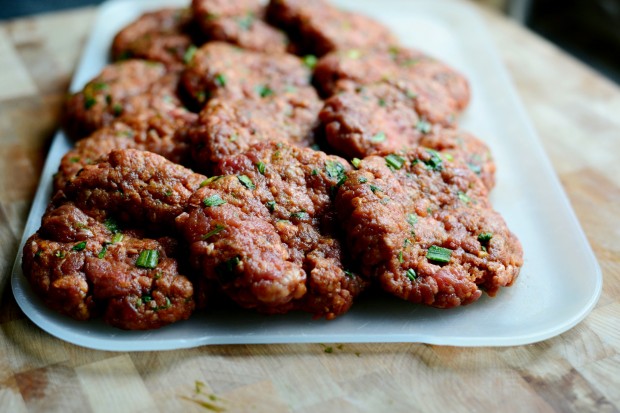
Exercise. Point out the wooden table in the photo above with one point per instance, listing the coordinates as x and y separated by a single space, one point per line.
576 114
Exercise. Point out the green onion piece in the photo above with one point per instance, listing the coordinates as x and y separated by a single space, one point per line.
474 168
379 137
104 250
147 298
349 274
79 246
226 268
334 169
148 259
165 306
356 162
314 172
410 94
438 254
412 219
189 54
382 102
117 109
111 225
395 161
213 201
261 168
220 80
310 61
99 86
209 180
464 197
354 54
400 257
271 205
362 180
423 126
218 228
247 182
264 91
59 254
374 189
485 236
299 215
89 102
74 159
411 274
435 162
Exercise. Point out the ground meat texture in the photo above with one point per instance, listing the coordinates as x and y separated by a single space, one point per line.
347 69
228 126
122 89
219 69
383 117
425 230
246 31
205 10
136 187
160 36
283 195
84 268
153 131
320 28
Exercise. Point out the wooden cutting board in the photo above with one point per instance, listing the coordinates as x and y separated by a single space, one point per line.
576 114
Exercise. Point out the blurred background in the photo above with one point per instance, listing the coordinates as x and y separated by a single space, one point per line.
587 29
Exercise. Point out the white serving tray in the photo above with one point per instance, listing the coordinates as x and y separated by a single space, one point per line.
560 281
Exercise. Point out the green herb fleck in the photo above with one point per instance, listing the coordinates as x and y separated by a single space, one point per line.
261 168
59 254
80 246
247 182
379 137
104 250
438 254
189 54
213 201
464 197
111 225
349 274
485 236
411 274
375 189
395 161
209 180
299 215
220 80
89 102
382 102
264 91
474 168
314 172
148 259
412 219
271 205
356 162
423 126
334 169
218 228
117 109
226 268
118 237
310 61
354 54
362 180
400 257
435 162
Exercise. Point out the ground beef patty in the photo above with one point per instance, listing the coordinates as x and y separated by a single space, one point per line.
319 28
347 69
266 231
228 126
121 90
161 36
84 268
384 117
424 228
219 69
159 132
137 187
239 23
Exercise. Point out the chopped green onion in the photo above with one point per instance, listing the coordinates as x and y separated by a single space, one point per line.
218 228
59 254
379 137
374 189
435 162
111 225
438 254
299 215
104 250
474 168
310 61
334 169
189 54
464 197
395 161
79 246
362 180
485 236
99 85
356 162
412 219
264 91
400 257
213 201
314 172
354 54
148 259
349 274
382 102
209 180
247 182
89 102
271 205
226 268
220 80
117 109
261 167
411 274
423 126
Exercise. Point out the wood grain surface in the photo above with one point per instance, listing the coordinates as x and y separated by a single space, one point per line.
576 114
